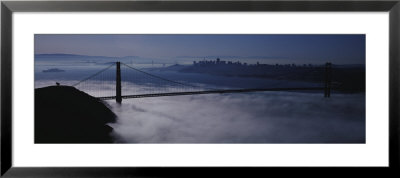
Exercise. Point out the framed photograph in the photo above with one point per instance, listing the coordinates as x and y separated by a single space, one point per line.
149 88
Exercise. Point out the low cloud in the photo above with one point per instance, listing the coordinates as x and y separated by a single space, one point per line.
268 117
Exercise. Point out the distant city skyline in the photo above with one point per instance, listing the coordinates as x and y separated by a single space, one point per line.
339 49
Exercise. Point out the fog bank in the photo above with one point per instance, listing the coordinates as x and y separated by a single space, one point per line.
261 117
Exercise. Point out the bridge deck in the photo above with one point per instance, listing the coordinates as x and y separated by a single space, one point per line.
211 92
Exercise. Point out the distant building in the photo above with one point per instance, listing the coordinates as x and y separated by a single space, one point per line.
219 62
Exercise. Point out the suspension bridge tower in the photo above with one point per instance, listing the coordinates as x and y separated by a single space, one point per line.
118 97
328 79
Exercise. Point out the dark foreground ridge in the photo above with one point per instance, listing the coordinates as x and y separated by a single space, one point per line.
64 114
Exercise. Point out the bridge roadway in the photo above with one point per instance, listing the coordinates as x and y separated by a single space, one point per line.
211 92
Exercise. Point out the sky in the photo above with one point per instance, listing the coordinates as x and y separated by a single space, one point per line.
339 49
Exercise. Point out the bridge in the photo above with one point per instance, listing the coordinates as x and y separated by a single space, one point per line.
107 84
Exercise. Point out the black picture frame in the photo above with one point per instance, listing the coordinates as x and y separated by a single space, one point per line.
8 7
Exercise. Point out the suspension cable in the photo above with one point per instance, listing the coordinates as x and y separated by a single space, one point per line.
97 73
161 78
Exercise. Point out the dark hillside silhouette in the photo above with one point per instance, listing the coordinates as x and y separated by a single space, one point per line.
64 114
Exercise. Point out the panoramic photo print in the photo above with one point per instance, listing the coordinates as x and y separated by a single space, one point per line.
199 88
